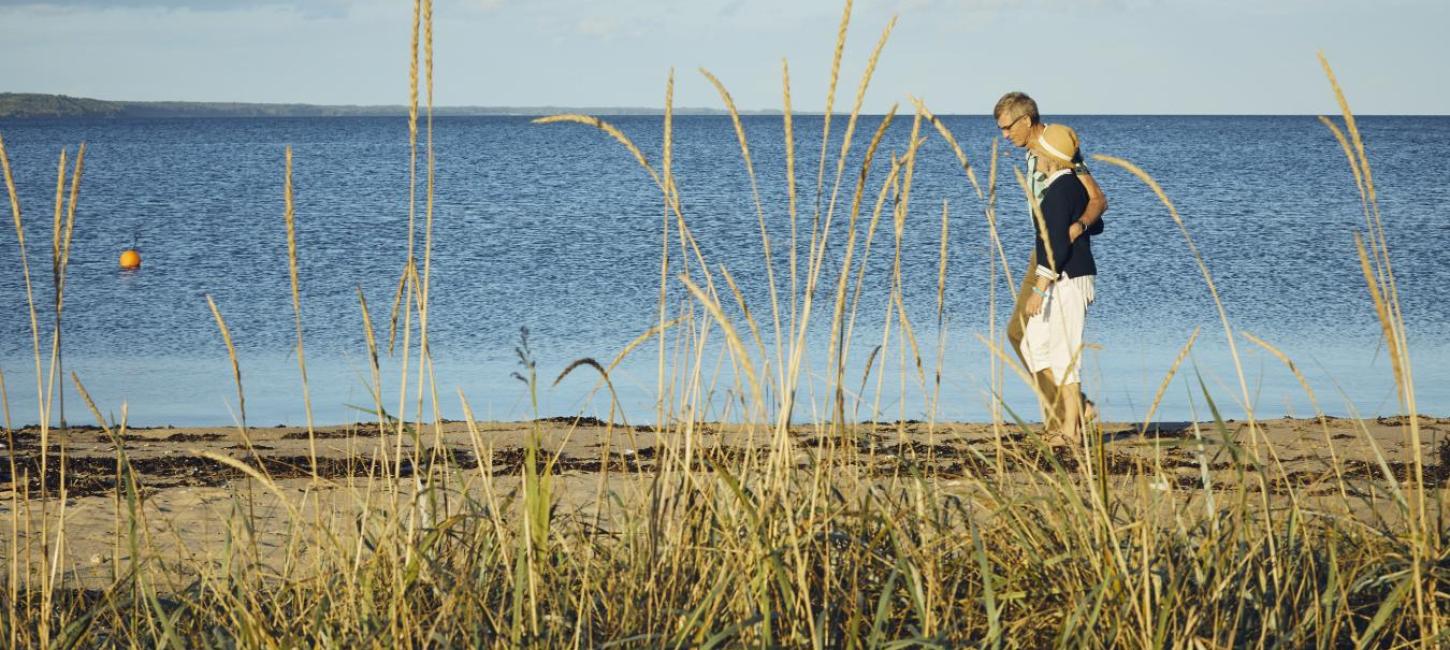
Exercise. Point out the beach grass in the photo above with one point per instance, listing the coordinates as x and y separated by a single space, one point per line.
839 532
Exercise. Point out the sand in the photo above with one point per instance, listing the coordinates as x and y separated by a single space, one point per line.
191 504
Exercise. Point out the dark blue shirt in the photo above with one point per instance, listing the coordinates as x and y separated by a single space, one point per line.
1062 203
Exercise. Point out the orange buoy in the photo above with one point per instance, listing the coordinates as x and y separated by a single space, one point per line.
130 259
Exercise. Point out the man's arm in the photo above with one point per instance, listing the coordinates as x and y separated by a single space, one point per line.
1097 204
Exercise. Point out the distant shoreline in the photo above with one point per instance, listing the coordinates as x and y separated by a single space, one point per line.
42 106
26 106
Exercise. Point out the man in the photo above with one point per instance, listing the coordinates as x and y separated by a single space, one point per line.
1020 123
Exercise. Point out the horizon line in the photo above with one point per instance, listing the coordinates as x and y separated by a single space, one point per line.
519 110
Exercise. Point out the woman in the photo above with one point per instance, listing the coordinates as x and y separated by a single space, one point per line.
1062 283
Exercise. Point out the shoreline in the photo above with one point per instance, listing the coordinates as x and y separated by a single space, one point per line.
1108 427
85 460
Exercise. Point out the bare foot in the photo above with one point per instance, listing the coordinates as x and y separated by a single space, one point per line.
1089 410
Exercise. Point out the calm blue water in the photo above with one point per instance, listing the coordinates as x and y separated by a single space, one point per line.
556 229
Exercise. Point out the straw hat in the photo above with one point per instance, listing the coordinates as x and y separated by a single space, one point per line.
1058 142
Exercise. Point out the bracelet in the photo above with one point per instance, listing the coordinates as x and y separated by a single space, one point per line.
1039 291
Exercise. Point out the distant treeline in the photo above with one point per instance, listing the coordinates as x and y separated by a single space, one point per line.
31 105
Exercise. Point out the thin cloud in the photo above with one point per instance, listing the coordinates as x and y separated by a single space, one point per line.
198 5
305 8
308 8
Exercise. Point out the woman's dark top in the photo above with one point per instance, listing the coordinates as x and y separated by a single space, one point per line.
1062 203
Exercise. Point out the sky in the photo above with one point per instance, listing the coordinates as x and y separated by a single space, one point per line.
1073 56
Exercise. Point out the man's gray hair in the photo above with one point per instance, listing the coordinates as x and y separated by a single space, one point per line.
1015 105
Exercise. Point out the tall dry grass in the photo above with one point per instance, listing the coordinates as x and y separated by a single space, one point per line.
858 539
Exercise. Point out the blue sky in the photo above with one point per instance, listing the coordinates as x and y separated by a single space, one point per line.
1079 56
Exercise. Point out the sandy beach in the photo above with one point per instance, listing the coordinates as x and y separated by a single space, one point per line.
193 506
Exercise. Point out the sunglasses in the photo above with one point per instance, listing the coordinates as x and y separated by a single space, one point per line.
1011 124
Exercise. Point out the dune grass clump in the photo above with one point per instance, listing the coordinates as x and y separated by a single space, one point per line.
835 533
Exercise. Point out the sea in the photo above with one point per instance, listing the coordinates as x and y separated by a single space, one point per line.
556 230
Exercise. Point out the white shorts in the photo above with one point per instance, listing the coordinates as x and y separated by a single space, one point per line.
1052 340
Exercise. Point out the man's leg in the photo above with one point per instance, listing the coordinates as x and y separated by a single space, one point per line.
1016 325
1046 406
1072 411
